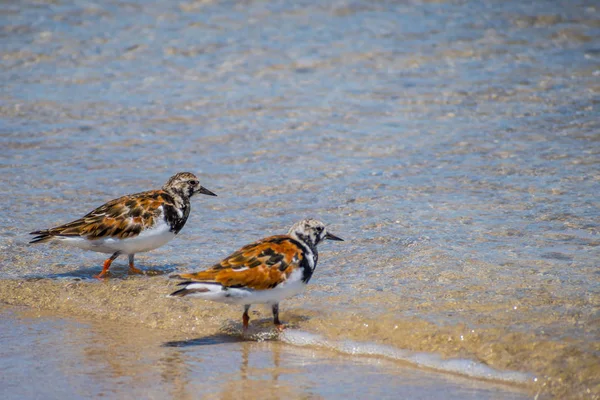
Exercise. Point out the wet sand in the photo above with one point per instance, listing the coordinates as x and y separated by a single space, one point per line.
126 304
71 357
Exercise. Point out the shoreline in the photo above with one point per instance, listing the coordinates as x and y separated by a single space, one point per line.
122 348
129 302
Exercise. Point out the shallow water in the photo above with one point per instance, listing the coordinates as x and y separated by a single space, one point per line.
454 145
89 358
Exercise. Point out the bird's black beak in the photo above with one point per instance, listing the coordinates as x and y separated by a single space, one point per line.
333 237
205 191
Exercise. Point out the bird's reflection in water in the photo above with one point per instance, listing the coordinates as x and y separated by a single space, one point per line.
245 369
259 374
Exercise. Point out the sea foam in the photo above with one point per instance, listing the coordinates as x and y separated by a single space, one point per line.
432 361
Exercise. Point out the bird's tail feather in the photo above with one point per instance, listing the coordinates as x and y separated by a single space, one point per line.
190 288
42 236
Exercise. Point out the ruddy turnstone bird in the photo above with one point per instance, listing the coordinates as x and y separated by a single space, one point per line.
266 271
130 224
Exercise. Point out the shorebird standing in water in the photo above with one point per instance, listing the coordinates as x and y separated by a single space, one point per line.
130 224
266 271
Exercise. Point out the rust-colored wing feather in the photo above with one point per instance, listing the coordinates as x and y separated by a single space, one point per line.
259 266
120 218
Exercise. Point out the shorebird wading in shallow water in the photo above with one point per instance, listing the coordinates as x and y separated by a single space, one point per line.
266 271
130 224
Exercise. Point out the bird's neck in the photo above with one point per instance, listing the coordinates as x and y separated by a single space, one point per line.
176 213
180 199
310 248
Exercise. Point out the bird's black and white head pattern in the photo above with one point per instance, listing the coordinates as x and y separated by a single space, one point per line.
310 232
185 185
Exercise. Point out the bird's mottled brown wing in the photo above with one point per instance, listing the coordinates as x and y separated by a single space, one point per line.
124 217
259 266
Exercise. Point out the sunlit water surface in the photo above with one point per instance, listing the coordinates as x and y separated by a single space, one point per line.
454 145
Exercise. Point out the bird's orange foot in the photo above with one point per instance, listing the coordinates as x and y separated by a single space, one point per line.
280 327
135 270
100 276
105 268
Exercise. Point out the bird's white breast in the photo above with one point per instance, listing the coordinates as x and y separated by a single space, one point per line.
147 240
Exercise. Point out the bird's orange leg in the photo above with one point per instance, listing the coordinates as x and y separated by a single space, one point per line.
106 265
246 317
280 327
132 267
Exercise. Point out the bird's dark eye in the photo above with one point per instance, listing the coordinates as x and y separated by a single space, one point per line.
319 229
193 182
